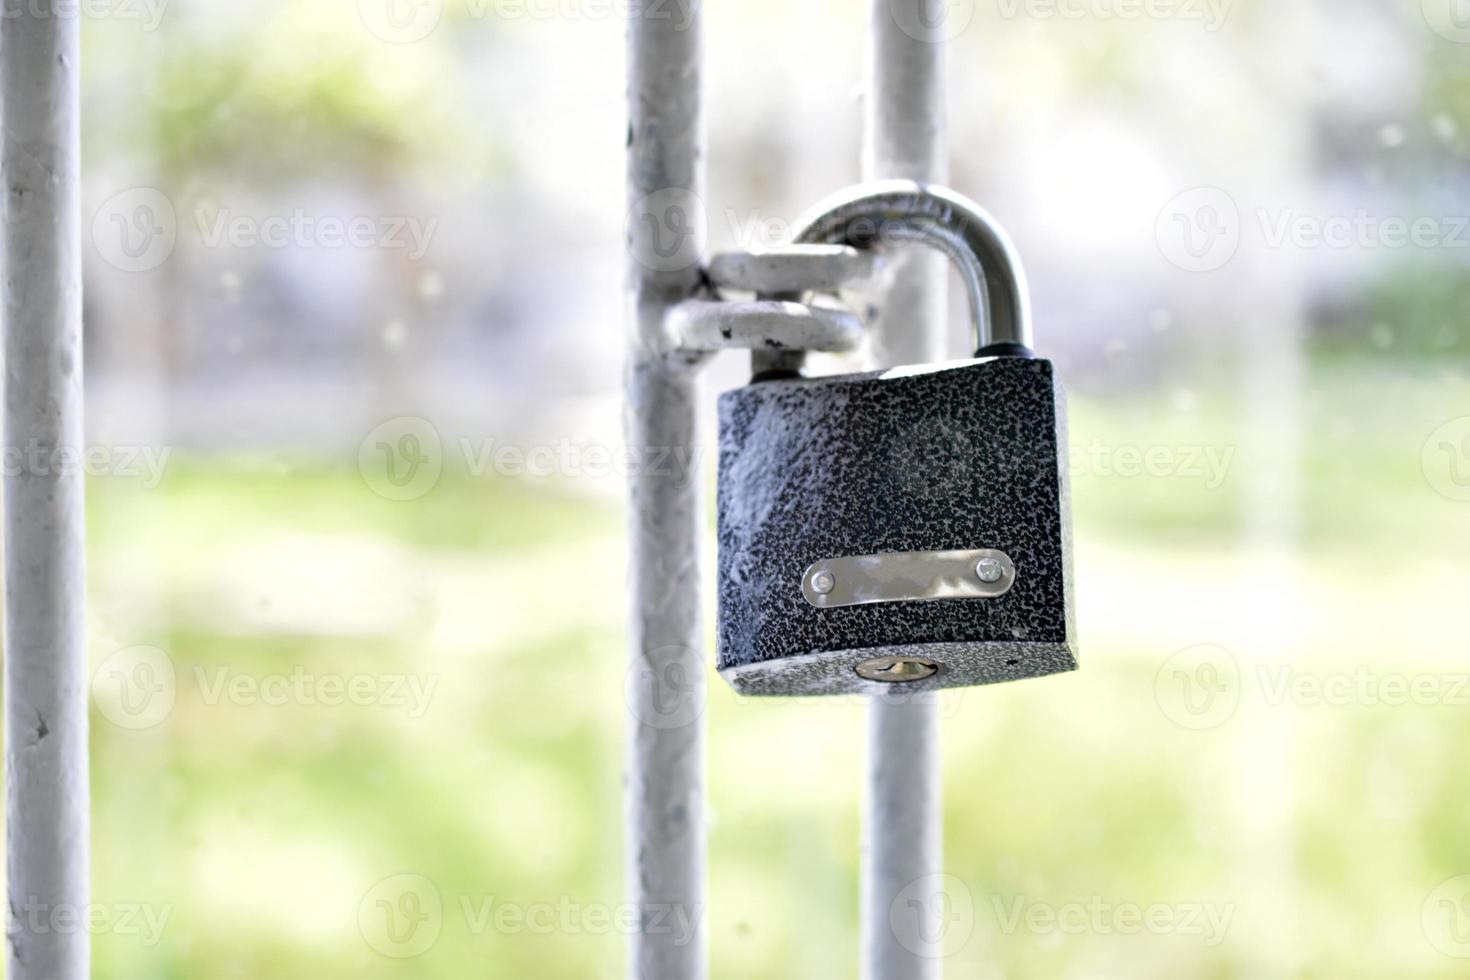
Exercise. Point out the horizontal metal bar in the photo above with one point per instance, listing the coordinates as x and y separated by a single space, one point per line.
794 268
705 325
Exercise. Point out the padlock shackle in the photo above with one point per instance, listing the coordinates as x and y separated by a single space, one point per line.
887 212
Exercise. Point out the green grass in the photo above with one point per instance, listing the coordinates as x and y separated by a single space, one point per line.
262 827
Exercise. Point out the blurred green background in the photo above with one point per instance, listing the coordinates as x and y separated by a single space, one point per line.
1236 749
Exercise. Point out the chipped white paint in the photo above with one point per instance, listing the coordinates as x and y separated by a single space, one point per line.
793 269
45 641
665 769
903 829
707 325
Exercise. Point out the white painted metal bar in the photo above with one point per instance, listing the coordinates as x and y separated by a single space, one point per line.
903 827
47 799
665 768
765 325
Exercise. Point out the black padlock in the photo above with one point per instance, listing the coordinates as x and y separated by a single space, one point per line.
902 526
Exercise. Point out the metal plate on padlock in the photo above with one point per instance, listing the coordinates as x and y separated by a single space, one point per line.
921 576
960 459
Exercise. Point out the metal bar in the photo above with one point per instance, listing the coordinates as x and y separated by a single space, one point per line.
710 325
915 212
903 827
664 795
45 625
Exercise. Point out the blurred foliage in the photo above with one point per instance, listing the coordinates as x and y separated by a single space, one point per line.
294 93
263 827
1416 311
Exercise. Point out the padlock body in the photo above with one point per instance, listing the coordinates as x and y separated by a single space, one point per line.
899 466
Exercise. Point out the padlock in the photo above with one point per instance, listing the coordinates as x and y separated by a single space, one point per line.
908 526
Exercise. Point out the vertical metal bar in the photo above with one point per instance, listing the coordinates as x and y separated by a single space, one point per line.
45 625
666 690
903 826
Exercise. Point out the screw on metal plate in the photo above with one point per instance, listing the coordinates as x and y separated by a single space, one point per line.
914 576
897 670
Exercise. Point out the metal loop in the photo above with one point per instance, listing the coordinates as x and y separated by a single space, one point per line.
881 213
762 325
795 269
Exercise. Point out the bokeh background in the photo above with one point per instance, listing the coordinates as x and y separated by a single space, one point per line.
353 278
